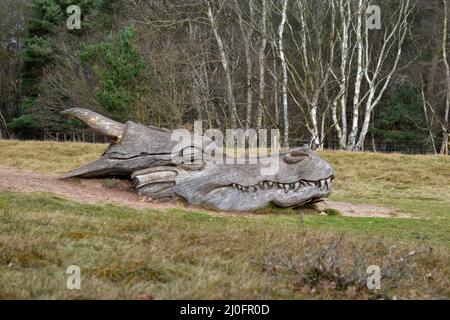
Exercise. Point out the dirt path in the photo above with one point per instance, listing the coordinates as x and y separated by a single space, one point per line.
97 191
84 191
362 210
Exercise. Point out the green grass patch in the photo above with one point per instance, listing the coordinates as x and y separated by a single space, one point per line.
176 253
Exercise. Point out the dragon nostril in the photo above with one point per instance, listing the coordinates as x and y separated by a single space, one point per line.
295 157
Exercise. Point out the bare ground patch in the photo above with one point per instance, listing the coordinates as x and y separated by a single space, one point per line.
362 210
85 191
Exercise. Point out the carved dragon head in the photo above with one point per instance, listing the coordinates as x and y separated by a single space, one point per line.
146 155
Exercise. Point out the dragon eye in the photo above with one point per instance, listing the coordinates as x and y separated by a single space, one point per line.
191 155
295 156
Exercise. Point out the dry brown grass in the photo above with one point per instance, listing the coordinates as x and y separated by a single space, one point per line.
329 267
177 254
418 184
54 158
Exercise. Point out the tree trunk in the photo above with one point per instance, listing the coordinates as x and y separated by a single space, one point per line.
343 88
445 132
275 86
427 119
226 68
4 134
3 128
285 73
247 37
262 65
359 77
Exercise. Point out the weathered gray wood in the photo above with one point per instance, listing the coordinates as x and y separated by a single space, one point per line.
144 154
97 122
140 147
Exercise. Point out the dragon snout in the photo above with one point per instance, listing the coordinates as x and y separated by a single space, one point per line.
295 156
154 180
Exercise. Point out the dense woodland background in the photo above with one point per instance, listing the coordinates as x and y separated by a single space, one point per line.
314 69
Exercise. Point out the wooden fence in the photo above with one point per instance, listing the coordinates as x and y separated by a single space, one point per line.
83 136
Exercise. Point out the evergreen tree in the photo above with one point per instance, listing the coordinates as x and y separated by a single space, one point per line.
41 51
401 126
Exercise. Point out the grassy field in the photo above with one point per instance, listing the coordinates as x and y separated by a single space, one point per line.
184 253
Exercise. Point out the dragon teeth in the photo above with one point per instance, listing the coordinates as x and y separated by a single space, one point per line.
324 184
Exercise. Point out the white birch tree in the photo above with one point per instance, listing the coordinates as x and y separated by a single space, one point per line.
377 60
234 118
377 83
284 68
311 64
262 65
445 123
247 30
